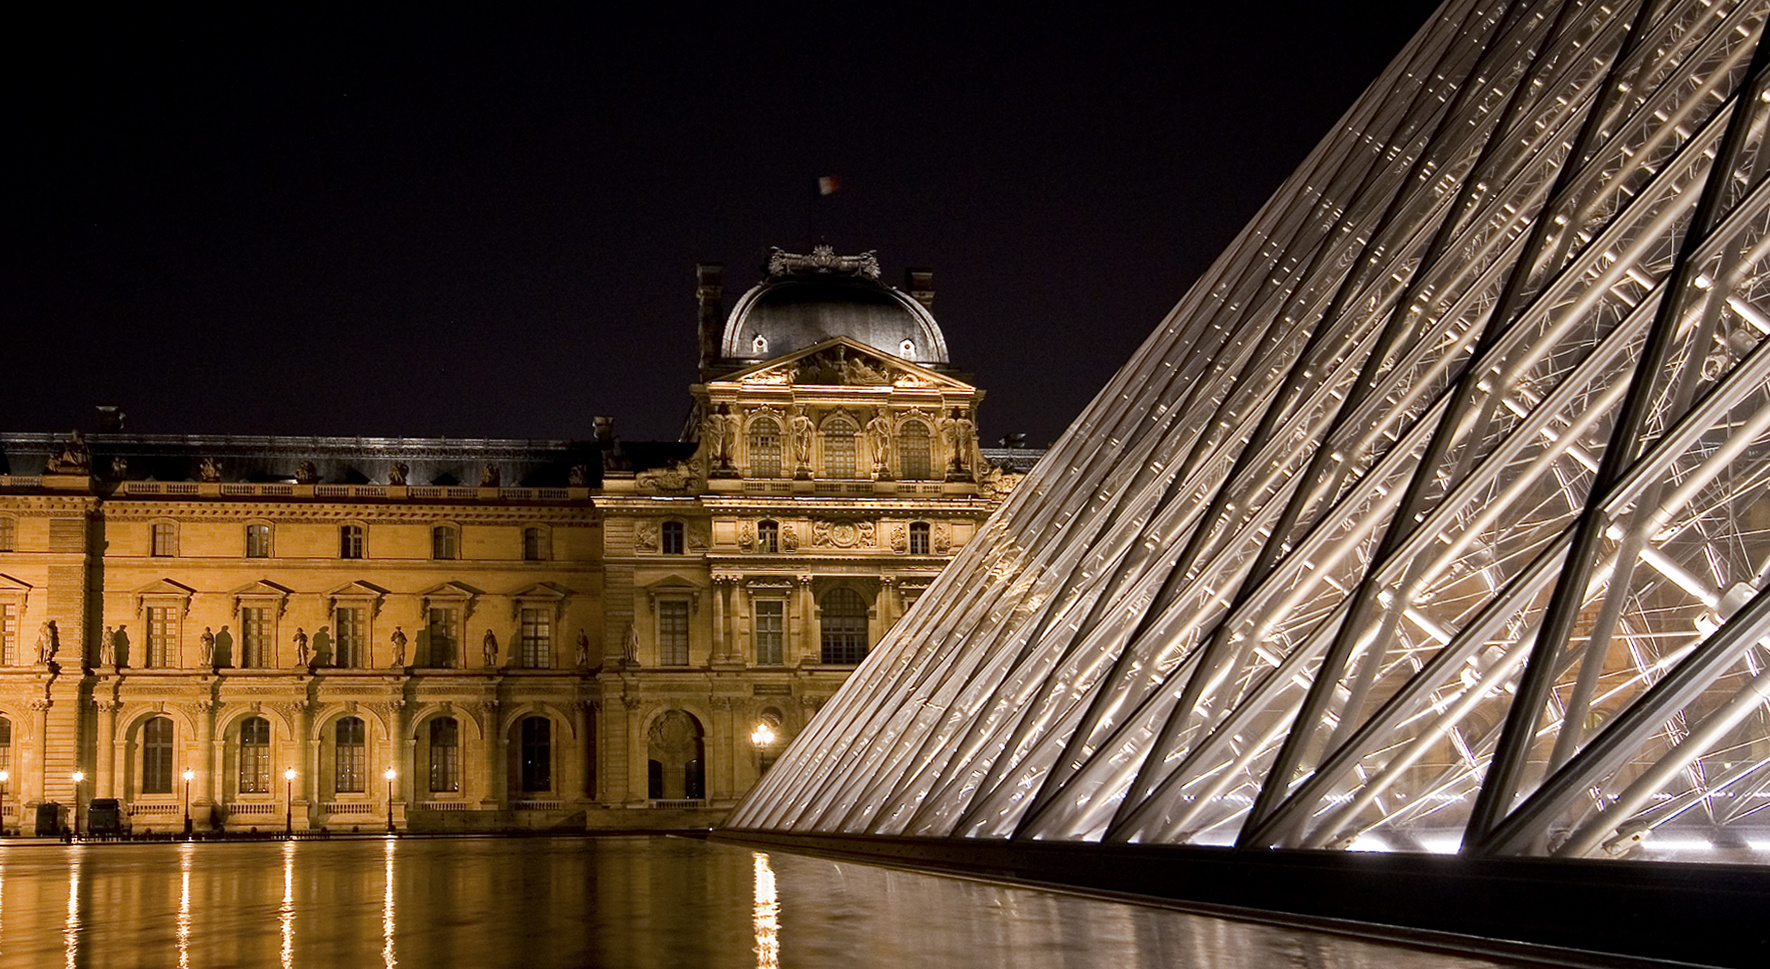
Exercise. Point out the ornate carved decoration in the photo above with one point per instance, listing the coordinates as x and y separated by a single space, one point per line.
210 470
674 733
673 478
747 537
823 259
699 535
789 536
73 458
645 537
842 533
900 540
306 473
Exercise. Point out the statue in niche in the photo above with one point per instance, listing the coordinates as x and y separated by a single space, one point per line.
399 646
107 649
73 458
488 648
578 476
210 470
630 645
48 643
802 429
396 474
583 650
207 646
306 473
879 442
490 476
302 656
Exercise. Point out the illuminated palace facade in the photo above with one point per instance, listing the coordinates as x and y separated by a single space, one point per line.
523 634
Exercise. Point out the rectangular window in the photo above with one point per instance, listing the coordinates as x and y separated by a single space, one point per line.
8 534
349 637
347 777
165 540
162 628
536 638
258 541
770 631
533 545
444 542
839 454
156 756
255 633
919 544
673 633
350 541
8 634
445 636
445 755
255 756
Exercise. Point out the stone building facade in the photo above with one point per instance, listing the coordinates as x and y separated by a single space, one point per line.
525 633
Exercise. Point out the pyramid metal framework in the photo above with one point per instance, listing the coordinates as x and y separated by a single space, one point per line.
1436 517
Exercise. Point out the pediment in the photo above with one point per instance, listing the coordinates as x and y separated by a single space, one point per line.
542 590
263 587
451 590
842 362
16 586
358 589
673 583
166 587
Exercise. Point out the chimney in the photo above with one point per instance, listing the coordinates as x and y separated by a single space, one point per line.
709 293
110 419
921 285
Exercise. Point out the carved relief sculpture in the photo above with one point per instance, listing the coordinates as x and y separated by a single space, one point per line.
490 476
577 476
645 537
210 470
306 473
73 458
396 474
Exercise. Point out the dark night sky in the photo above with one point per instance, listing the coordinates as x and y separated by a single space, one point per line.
485 224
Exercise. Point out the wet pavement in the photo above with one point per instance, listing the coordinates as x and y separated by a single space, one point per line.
628 902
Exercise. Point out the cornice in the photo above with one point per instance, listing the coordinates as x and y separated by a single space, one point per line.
138 510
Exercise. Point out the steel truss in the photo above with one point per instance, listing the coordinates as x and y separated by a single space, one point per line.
1436 517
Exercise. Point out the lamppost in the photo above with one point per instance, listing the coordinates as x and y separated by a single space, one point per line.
389 775
4 777
187 803
289 803
79 776
762 737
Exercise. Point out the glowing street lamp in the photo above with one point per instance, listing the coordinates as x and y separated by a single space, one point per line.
762 737
4 777
187 802
79 777
289 803
389 775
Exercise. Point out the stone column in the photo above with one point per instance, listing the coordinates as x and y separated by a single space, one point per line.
106 768
634 792
497 788
583 777
41 705
723 746
206 755
806 633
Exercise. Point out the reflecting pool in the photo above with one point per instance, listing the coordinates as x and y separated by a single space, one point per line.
629 902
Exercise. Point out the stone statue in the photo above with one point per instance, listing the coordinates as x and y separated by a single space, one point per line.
210 470
490 476
879 442
48 643
207 645
119 468
489 647
577 476
107 649
630 645
801 428
306 473
396 474
399 646
302 656
73 458
961 438
729 426
583 649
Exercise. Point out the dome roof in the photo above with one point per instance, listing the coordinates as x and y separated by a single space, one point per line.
808 299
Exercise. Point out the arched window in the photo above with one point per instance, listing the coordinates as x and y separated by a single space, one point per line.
768 536
676 748
534 545
348 765
839 448
671 537
156 756
258 541
844 627
914 445
350 541
765 448
536 754
920 544
445 754
445 542
254 756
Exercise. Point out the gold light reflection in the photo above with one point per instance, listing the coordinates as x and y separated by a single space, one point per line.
387 956
70 933
184 904
768 920
288 910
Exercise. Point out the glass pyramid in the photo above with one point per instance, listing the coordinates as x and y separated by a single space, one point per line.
1434 518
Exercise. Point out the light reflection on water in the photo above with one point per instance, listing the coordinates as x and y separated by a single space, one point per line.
630 902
